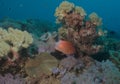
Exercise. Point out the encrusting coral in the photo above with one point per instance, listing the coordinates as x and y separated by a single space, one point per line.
12 40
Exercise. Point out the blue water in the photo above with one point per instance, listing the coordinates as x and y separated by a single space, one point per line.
44 9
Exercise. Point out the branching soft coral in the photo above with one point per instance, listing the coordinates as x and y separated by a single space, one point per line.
12 40
95 19
79 29
65 7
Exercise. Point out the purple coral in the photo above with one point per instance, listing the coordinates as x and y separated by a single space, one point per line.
99 73
68 63
10 79
46 47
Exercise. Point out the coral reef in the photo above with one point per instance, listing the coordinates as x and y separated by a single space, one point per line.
95 19
68 63
40 59
13 40
98 73
47 42
83 32
65 7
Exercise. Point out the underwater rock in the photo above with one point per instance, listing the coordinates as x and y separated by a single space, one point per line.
41 64
48 36
47 42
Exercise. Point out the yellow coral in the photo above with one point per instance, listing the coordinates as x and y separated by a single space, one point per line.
80 10
95 19
14 38
27 39
64 8
4 49
3 33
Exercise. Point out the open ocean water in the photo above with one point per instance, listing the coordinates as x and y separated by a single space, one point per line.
44 9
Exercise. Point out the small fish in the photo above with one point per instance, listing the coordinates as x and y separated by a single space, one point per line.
65 47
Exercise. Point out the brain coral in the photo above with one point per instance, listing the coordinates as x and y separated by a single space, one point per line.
15 39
